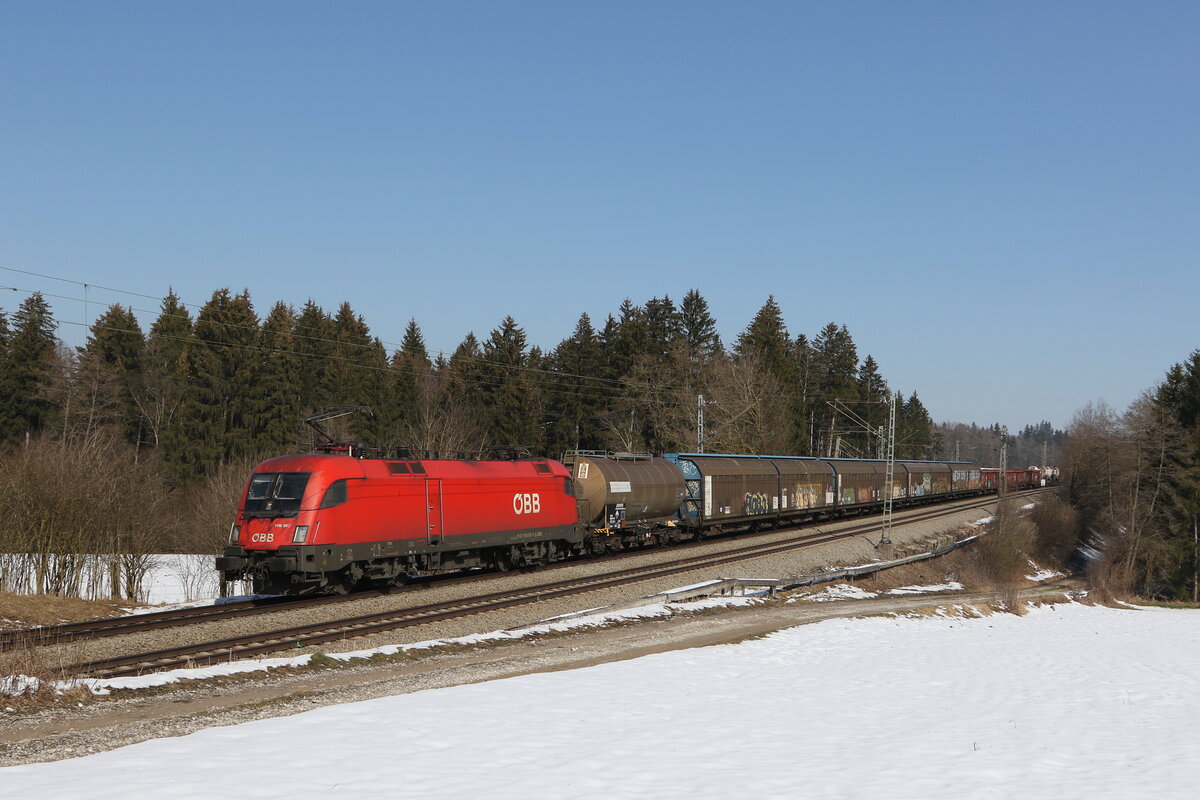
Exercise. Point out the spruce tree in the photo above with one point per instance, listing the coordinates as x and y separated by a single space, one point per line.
874 394
575 397
411 369
215 419
509 388
835 365
663 327
360 376
767 344
30 369
464 377
767 337
629 339
164 374
914 429
802 404
1177 402
698 327
118 347
315 347
6 420
276 396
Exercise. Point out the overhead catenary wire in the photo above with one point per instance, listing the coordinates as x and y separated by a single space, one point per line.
336 342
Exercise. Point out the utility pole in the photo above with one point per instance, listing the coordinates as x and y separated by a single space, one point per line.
1003 462
957 446
700 404
1044 461
889 483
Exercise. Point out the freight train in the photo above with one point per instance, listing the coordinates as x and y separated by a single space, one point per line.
333 521
1015 479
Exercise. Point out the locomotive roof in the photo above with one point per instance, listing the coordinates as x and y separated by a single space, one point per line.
350 467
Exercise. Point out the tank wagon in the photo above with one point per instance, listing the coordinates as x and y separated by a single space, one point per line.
626 498
331 521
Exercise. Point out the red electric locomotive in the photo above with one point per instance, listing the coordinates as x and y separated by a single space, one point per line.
325 522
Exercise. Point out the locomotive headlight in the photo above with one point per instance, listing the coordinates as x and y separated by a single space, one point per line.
301 533
234 532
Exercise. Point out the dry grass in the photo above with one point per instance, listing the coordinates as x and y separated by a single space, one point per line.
27 610
1057 526
50 666
997 562
47 663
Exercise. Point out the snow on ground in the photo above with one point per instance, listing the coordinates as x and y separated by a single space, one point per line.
16 684
1069 701
949 586
839 591
1039 575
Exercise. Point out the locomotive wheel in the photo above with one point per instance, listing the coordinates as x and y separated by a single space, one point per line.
343 583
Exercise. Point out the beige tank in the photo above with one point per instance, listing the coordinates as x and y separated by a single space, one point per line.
618 490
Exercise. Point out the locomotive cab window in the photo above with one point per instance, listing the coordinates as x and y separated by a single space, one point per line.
335 495
275 494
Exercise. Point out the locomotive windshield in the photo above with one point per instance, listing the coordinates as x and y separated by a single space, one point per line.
275 494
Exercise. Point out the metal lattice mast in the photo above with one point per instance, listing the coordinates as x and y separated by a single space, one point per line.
699 423
889 483
1002 489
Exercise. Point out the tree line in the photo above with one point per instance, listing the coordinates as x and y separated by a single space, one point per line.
1033 445
139 441
202 392
1135 478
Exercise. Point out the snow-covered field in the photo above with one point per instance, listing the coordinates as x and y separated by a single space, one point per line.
1068 701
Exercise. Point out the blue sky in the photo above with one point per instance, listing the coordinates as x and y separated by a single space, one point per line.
999 200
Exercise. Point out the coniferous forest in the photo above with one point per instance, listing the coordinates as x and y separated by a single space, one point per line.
140 440
201 390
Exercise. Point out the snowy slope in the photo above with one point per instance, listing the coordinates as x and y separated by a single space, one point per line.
1066 702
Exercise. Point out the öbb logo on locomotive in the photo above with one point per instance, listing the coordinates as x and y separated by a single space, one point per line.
528 503
369 518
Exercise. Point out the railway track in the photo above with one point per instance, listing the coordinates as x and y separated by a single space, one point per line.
354 627
223 611
212 612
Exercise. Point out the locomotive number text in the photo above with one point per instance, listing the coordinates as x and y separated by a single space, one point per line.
527 503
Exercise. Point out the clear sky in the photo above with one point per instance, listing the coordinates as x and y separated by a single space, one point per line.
998 199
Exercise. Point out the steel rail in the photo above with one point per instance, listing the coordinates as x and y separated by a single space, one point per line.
216 612
355 627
